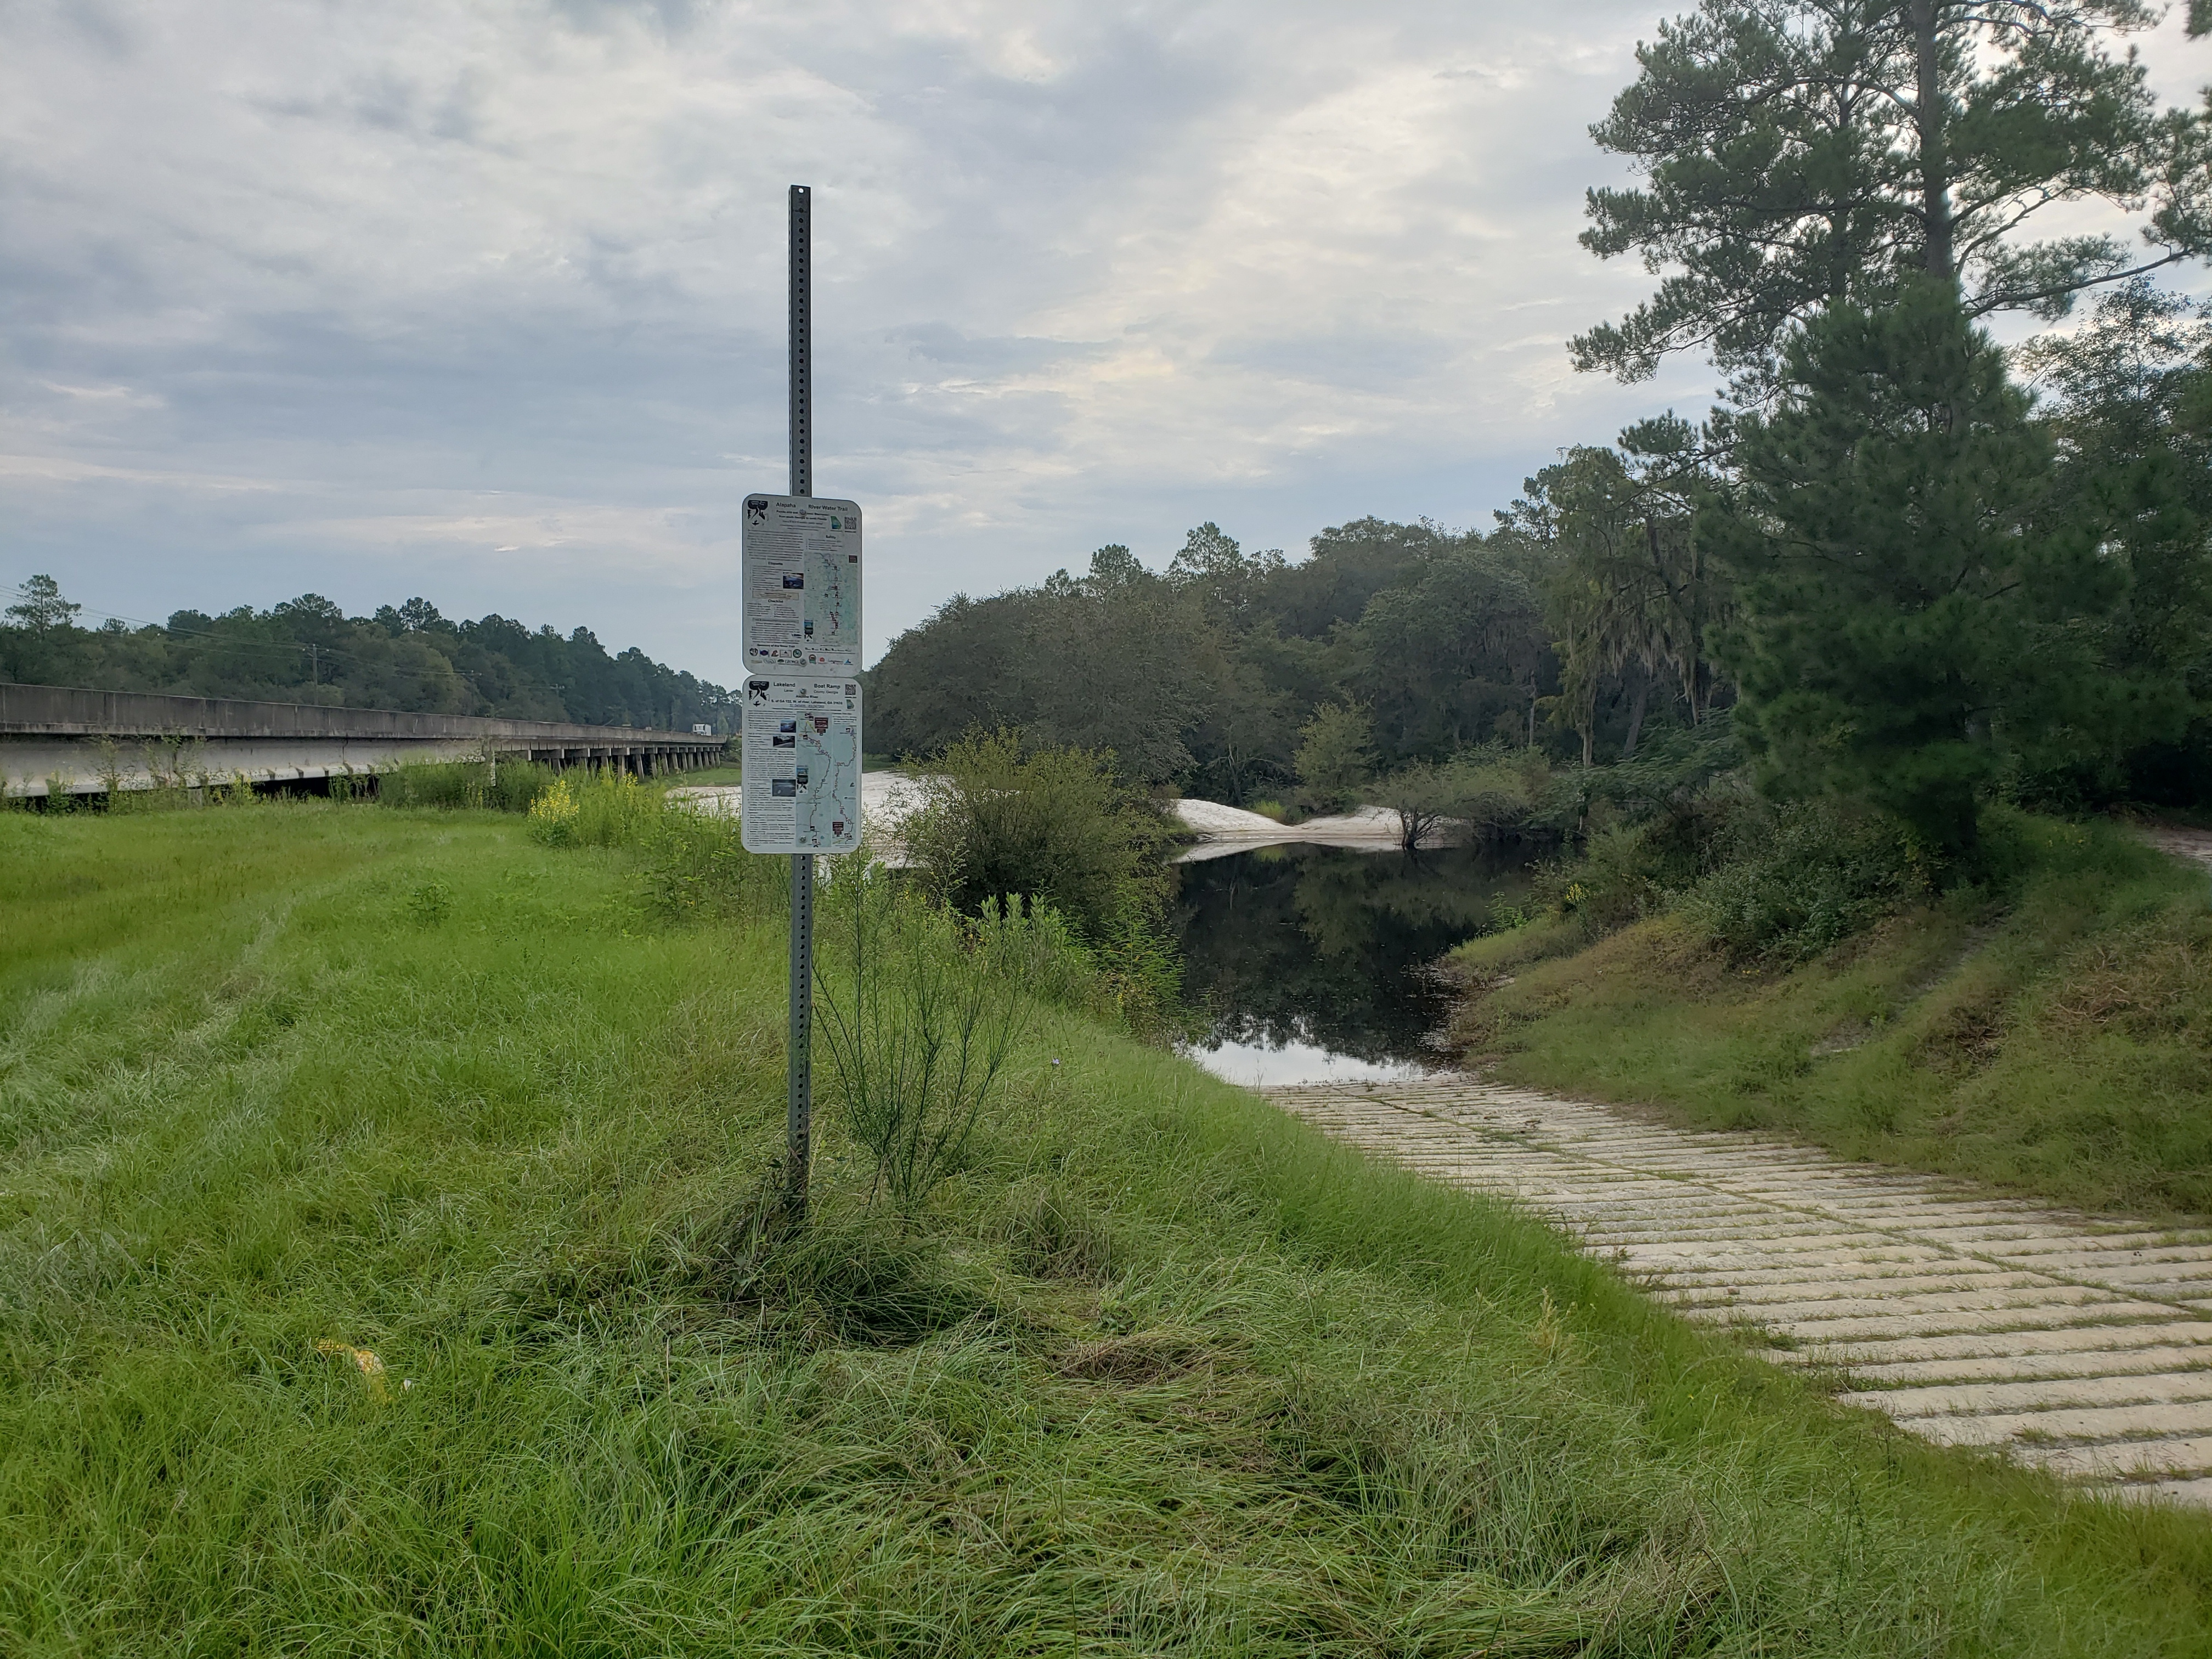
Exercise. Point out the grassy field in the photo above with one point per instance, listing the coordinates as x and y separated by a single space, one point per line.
2058 1037
1163 1373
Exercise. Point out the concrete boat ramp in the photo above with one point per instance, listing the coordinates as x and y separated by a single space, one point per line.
2077 1343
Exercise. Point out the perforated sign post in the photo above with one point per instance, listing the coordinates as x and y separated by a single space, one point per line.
801 601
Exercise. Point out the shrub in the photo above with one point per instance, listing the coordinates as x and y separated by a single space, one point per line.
997 827
917 1028
1491 790
1822 875
1335 756
506 786
1615 882
553 815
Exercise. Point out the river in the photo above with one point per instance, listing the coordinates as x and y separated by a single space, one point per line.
1313 963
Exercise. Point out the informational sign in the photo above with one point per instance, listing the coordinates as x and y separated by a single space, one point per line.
802 759
801 558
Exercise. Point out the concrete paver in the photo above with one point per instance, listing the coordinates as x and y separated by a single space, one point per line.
2078 1343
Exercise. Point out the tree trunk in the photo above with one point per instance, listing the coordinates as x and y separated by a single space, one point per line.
1928 113
1636 708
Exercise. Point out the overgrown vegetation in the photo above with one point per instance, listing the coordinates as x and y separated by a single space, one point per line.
921 1009
1165 1372
504 785
1001 829
2050 1025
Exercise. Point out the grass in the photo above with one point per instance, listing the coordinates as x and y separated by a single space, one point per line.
724 775
1166 1373
2057 1039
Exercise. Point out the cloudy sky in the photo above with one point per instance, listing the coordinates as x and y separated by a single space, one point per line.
484 300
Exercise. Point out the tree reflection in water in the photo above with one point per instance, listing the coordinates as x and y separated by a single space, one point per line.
1328 947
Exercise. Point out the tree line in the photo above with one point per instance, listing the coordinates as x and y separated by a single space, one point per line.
1896 564
407 657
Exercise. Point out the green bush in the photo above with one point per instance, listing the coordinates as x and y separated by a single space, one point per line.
916 1028
1822 875
695 863
1493 789
1616 882
1335 756
507 786
997 827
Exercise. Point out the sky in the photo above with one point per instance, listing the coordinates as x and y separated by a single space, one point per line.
484 301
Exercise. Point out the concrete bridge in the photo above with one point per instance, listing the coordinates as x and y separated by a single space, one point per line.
58 738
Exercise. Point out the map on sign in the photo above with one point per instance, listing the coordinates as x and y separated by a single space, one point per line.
801 558
802 761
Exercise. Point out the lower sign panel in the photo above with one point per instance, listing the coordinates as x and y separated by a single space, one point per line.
802 757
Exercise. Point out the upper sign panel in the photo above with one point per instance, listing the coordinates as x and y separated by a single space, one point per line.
802 586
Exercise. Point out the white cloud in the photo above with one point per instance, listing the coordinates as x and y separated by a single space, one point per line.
483 298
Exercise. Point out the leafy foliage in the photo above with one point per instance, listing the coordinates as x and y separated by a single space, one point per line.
505 786
1335 756
999 824
406 657
1812 880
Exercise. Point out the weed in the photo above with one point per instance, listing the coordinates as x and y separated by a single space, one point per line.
430 903
553 815
917 1034
506 786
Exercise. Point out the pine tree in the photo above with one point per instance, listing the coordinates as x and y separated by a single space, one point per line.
1915 614
1797 154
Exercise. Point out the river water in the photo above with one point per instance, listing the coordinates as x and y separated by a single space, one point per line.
1313 963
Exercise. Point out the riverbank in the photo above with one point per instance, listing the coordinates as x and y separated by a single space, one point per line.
372 1182
2056 1037
1213 830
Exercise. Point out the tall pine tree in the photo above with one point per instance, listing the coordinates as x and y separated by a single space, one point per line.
1798 153
1914 614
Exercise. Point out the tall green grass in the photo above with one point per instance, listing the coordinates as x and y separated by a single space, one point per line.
2051 1029
1162 1371
502 786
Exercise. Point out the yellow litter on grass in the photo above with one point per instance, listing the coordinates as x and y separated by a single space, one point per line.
371 1368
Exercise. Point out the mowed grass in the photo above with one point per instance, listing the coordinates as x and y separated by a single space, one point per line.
2057 1039
1163 1372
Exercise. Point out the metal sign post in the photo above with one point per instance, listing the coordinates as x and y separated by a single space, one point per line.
800 581
798 1116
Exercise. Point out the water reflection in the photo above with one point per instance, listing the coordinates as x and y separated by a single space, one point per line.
1312 960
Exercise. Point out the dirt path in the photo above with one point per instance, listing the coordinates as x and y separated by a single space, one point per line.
2182 843
2080 1343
